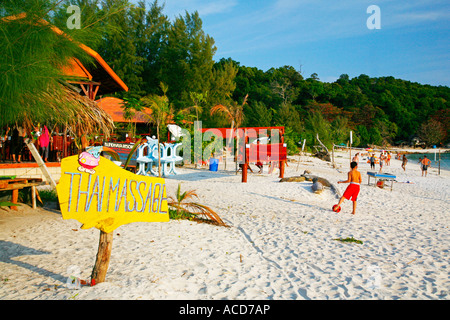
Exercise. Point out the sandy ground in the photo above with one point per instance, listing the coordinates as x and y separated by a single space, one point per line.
281 243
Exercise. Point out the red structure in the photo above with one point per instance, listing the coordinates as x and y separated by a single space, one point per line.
255 152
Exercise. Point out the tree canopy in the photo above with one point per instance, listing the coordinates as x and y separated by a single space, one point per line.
146 48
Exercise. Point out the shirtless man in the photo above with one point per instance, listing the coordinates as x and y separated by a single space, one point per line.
352 191
425 164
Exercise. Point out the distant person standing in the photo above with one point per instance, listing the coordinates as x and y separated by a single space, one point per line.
44 141
372 161
425 164
382 158
404 161
421 165
17 140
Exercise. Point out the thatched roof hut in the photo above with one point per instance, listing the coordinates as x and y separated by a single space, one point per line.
71 102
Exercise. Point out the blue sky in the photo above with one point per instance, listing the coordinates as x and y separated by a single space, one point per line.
330 37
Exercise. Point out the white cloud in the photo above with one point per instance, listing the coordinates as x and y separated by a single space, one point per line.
215 7
204 7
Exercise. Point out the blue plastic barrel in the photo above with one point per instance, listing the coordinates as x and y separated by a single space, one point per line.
213 164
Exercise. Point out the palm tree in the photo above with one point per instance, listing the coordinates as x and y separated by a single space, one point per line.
234 113
197 99
33 56
130 107
183 202
162 112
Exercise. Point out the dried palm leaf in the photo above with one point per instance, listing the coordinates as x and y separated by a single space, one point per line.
180 202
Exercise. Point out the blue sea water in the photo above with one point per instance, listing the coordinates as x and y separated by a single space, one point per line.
445 159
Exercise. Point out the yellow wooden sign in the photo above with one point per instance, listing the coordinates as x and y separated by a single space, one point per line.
98 193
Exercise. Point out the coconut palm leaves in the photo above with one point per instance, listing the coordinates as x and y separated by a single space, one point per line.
161 113
182 202
33 54
234 113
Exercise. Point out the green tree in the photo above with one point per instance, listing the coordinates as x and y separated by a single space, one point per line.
258 115
119 47
152 46
432 132
316 124
33 55
161 113
187 59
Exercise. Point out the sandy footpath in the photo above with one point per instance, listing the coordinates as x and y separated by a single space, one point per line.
280 243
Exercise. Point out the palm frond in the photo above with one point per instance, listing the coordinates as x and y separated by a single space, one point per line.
112 153
222 109
132 151
200 209
180 203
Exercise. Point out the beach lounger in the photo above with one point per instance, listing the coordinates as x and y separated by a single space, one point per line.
384 176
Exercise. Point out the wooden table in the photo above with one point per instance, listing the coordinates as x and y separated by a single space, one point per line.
16 184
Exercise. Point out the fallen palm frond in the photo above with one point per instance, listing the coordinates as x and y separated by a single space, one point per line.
181 202
350 240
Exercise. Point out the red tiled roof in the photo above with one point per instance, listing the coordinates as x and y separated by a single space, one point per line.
114 107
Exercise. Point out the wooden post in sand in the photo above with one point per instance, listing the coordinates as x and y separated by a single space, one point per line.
103 257
332 157
351 142
244 156
439 170
282 162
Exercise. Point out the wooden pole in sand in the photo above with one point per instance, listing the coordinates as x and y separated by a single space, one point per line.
103 257
439 170
282 162
245 165
351 142
332 157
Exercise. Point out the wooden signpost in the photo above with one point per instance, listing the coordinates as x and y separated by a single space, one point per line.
98 193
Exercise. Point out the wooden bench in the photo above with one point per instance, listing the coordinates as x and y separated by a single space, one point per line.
16 184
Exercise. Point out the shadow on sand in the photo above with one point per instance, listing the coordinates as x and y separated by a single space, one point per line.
200 174
9 250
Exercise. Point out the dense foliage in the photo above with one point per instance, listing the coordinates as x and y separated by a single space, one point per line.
146 48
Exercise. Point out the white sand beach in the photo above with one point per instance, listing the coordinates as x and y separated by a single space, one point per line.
280 243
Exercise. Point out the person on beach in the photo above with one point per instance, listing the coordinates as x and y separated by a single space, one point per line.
421 165
356 158
404 161
352 191
44 141
388 159
425 164
382 157
372 161
17 141
260 166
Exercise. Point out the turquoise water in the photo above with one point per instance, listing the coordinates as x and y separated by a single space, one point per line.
445 159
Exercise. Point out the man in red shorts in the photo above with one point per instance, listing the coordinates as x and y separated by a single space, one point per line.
352 191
